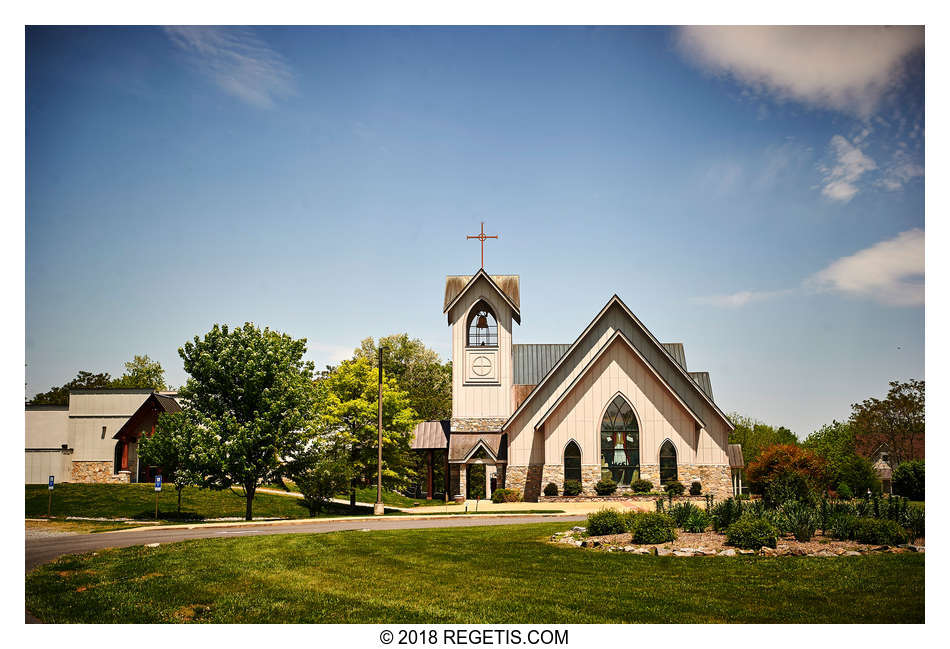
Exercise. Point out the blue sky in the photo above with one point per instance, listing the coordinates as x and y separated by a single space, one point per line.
756 194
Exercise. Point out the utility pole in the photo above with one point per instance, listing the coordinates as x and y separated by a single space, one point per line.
378 508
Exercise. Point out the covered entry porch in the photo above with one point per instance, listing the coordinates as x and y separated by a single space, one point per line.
477 464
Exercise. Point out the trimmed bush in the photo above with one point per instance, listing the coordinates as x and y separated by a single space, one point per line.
606 521
909 479
696 522
641 486
750 533
605 487
675 488
550 489
844 491
652 527
572 487
506 496
726 513
879 531
695 488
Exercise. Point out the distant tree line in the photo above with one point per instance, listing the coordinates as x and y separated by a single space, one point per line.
140 372
837 456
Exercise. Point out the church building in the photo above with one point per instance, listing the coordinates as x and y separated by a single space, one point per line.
614 403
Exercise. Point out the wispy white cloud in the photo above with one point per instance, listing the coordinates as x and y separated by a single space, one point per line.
739 299
850 163
901 170
890 272
849 69
238 61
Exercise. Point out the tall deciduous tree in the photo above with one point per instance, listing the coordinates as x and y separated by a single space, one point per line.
897 420
416 369
348 398
253 398
142 372
835 442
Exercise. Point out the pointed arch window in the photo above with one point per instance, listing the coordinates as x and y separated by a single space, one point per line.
620 443
572 462
482 326
667 462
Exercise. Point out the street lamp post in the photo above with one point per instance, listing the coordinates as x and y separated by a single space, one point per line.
378 508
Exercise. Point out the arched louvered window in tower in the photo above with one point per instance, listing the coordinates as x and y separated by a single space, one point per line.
620 442
482 326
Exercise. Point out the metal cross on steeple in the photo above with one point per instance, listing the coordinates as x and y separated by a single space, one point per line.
481 237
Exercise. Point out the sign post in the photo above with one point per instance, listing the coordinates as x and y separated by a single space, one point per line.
49 505
158 490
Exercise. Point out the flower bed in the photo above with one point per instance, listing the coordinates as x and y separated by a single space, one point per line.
708 544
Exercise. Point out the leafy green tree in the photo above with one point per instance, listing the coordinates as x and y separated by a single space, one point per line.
142 372
253 398
59 396
897 420
835 442
348 398
909 479
174 447
321 471
417 370
755 436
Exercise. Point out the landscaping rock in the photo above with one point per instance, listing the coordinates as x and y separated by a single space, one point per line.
663 552
682 553
727 553
152 545
577 528
643 551
591 543
881 548
824 553
852 553
746 551
912 548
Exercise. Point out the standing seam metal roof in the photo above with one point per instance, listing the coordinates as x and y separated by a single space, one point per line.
532 362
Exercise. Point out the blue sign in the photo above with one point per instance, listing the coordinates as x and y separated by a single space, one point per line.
158 483
51 483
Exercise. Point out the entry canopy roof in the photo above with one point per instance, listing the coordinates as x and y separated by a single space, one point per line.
430 435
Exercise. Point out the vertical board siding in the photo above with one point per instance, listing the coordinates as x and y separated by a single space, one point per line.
663 415
481 400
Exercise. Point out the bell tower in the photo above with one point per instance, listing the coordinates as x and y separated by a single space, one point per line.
481 310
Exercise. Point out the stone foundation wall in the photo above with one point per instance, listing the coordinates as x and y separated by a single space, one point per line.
526 479
477 424
716 480
590 474
100 472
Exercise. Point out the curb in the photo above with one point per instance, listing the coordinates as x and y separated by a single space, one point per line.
300 521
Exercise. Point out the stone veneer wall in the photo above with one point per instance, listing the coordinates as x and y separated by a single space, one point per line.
101 472
715 479
477 424
526 479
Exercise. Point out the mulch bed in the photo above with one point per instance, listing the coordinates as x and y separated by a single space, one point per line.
712 543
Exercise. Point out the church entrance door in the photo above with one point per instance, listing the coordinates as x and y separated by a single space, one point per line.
475 481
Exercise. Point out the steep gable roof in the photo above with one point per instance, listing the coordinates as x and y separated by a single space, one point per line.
617 336
508 286
689 381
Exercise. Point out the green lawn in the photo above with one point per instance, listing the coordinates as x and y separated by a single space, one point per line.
505 574
138 501
368 495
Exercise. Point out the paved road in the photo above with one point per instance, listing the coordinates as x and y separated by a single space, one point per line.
43 550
